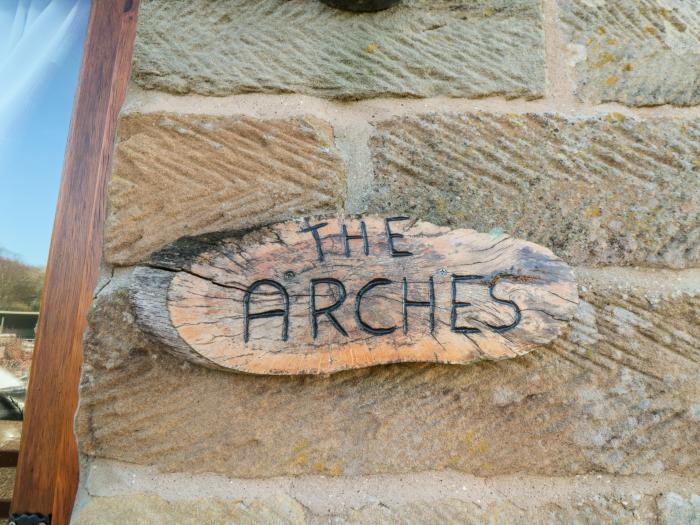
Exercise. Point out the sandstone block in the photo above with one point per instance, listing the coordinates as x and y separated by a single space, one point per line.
145 509
618 394
7 482
622 509
637 53
609 190
177 175
674 509
419 48
593 510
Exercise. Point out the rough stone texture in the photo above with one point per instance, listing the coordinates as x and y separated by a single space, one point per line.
137 509
640 53
609 190
7 482
674 509
144 509
421 47
177 175
585 511
618 394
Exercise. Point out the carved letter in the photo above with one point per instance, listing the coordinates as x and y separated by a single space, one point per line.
426 304
326 310
365 241
390 236
247 316
503 328
317 238
459 304
358 316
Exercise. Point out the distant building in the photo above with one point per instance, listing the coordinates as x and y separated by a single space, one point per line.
22 324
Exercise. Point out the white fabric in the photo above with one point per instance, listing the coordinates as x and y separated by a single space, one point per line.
34 34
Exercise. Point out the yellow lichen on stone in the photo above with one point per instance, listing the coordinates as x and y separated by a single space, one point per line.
300 455
605 58
475 446
489 11
301 460
299 446
336 469
371 48
320 467
481 446
615 116
612 80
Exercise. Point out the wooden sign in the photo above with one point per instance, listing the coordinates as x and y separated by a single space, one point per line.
311 297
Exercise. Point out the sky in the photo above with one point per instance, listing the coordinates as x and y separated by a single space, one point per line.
41 45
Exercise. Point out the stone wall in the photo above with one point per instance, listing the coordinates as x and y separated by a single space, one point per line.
572 124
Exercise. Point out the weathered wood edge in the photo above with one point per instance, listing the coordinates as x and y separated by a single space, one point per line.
150 282
149 286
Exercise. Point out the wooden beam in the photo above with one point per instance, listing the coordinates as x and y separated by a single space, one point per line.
47 473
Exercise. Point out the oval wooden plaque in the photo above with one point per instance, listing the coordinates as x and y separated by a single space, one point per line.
317 297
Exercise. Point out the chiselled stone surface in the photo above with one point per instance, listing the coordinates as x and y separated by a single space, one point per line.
422 48
618 394
177 175
640 53
145 509
141 509
453 512
7 482
674 509
608 190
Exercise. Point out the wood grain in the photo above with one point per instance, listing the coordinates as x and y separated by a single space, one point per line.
255 303
47 473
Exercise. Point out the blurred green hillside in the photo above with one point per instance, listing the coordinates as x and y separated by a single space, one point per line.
20 284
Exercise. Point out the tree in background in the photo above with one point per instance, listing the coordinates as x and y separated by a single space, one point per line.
20 284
